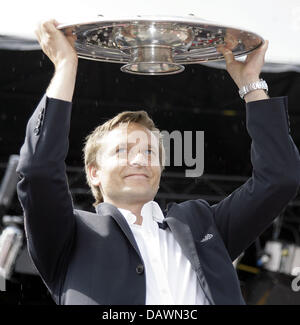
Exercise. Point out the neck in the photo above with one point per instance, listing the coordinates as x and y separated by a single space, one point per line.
134 208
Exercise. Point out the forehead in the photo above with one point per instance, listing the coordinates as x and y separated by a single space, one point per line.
132 133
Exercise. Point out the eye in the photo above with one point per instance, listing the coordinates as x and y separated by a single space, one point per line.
121 150
149 152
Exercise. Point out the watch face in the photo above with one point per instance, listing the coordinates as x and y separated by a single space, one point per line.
158 45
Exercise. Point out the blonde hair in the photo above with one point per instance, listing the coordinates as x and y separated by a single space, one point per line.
93 143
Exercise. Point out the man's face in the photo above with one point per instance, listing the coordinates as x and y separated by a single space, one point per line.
129 169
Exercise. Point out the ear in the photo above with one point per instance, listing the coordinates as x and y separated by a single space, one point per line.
94 175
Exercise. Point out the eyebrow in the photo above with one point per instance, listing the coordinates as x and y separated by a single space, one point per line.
130 144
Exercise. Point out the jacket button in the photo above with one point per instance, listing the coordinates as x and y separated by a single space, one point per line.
140 269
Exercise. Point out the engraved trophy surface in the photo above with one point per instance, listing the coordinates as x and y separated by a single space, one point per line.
152 45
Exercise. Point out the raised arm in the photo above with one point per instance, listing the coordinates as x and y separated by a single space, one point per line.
43 189
60 50
244 73
246 213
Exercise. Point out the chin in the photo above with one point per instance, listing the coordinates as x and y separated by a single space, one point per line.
138 192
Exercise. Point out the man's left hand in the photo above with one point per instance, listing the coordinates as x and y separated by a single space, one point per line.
244 73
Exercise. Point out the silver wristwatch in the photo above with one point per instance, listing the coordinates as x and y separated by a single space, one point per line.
261 84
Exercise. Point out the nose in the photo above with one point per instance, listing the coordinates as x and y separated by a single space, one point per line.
137 159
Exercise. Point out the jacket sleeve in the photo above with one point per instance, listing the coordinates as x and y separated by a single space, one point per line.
43 189
249 210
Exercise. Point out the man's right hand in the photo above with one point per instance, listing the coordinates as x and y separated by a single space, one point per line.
59 48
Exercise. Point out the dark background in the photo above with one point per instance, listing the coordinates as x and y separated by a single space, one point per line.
200 98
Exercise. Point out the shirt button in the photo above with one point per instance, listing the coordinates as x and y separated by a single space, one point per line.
139 269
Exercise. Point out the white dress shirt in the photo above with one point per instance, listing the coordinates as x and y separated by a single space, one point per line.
170 279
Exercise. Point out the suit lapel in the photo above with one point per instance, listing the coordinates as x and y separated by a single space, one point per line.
182 233
180 230
109 209
183 236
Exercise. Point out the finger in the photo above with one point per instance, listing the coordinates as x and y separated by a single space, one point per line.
68 31
38 33
265 44
264 47
48 26
228 55
55 22
259 53
72 39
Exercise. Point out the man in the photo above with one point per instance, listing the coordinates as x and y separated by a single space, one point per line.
129 251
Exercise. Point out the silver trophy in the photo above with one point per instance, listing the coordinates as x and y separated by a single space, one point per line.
152 45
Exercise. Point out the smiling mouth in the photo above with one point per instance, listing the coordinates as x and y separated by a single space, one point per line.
137 176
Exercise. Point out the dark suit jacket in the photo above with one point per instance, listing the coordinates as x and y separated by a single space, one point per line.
92 258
